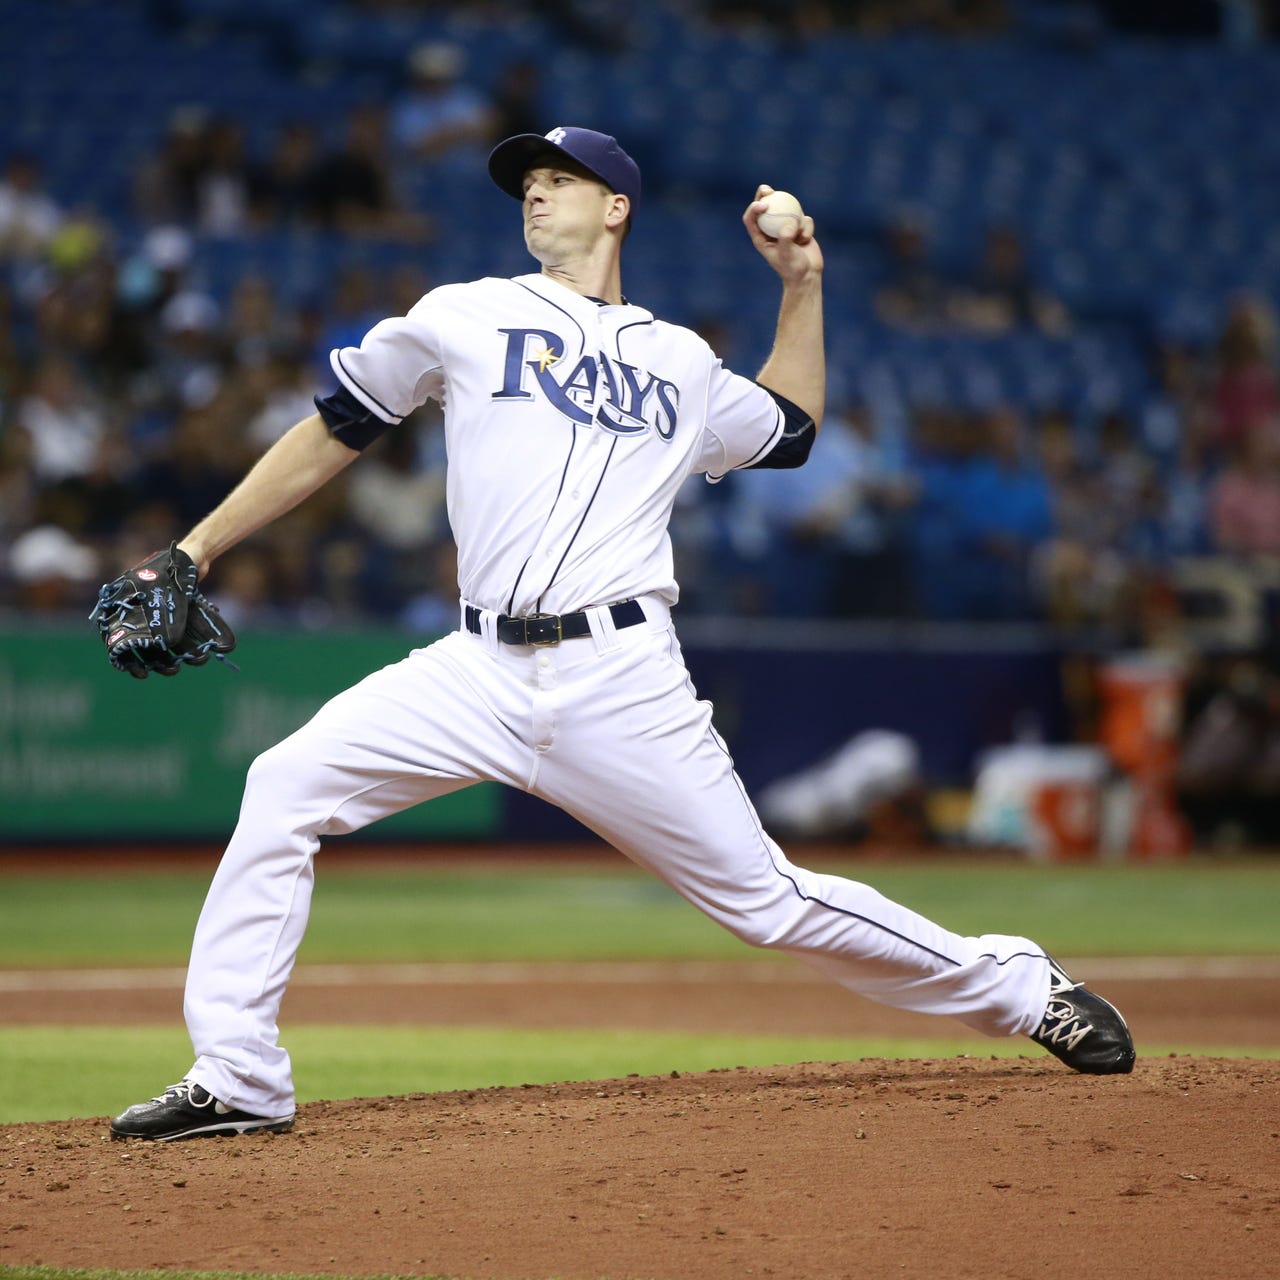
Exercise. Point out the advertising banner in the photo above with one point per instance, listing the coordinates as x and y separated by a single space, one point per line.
86 751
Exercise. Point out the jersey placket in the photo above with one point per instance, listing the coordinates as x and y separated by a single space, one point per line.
543 706
583 478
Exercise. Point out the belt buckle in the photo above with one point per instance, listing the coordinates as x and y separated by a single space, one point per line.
544 635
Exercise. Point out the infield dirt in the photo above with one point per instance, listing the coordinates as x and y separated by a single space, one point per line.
970 1167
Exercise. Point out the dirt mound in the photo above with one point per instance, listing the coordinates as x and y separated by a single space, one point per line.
959 1167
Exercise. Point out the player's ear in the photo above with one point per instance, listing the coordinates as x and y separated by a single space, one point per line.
618 211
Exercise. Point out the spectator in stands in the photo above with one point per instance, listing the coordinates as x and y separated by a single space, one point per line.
1228 773
29 216
879 17
1003 297
400 503
160 269
718 531
1123 468
230 186
1009 514
1244 502
788 20
95 504
147 281
11 362
871 570
166 186
439 115
938 533
257 324
190 355
143 344
81 311
18 488
1246 386
914 294
790 522
407 285
1077 575
349 186
51 569
286 388
352 310
838 535
285 192
316 563
605 27
434 608
1174 410
62 420
1186 503
245 592
1074 493
206 455
518 101
984 509
351 189
1116 525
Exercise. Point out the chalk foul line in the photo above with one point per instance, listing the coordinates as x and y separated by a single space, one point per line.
613 973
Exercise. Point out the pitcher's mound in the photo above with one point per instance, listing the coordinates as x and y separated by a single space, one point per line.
959 1167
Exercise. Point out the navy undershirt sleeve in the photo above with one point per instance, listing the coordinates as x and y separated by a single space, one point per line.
352 424
798 433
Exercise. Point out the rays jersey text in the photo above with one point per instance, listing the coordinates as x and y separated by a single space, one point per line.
620 397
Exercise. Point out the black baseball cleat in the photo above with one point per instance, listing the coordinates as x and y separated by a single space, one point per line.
186 1110
1082 1029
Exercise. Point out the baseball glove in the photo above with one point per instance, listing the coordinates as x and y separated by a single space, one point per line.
154 618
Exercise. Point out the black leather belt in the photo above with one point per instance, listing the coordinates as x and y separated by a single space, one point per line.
551 628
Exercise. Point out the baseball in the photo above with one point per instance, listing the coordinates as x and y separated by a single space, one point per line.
783 210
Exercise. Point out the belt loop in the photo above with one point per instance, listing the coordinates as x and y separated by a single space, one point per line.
487 621
604 635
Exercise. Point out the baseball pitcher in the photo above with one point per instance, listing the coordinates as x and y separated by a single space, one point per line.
572 417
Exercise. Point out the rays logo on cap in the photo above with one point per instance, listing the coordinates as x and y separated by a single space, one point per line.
598 153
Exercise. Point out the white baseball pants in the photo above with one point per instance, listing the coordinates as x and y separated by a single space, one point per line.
609 728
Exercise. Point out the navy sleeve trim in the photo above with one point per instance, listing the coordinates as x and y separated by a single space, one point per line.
351 422
798 434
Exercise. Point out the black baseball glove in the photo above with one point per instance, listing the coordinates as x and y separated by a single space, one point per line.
154 618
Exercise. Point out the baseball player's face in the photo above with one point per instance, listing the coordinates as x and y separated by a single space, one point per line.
565 210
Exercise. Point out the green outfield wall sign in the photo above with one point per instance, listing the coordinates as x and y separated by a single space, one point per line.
86 751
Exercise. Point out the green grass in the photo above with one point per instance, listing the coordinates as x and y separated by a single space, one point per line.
555 912
1192 908
46 1076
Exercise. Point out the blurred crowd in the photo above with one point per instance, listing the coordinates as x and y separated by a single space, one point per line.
1003 514
132 397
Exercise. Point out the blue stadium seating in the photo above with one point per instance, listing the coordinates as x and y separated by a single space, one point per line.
1141 174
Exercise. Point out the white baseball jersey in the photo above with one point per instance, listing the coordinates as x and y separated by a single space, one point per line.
570 425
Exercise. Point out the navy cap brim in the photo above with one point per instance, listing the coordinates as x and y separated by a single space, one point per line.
509 161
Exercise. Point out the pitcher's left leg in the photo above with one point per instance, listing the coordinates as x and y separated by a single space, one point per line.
650 774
